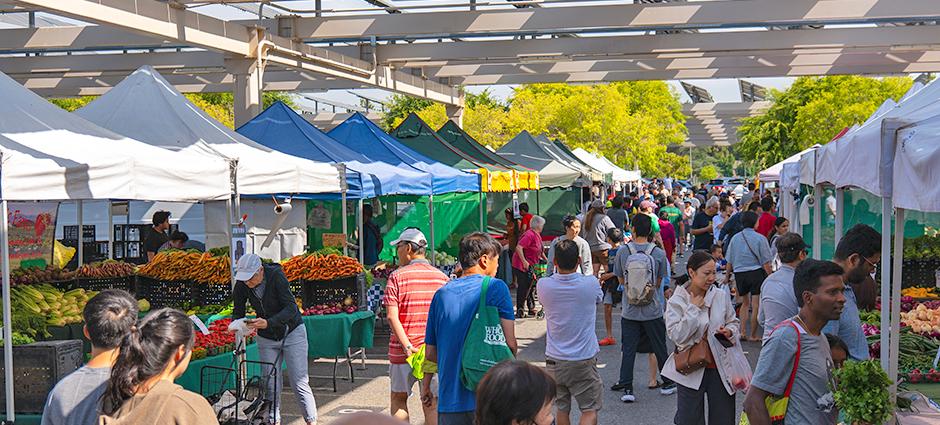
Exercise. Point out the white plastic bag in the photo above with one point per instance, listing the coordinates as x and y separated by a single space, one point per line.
740 369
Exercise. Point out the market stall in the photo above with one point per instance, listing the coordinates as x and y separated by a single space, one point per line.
618 175
456 200
52 155
145 106
527 178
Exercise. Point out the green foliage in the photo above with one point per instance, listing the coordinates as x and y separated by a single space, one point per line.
862 393
813 110
72 103
707 173
399 106
484 99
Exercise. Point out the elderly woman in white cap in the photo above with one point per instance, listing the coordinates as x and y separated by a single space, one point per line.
282 337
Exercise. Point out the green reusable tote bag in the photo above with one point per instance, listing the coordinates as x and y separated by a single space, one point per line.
485 345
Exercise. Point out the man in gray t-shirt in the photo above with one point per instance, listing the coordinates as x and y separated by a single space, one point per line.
75 400
639 320
811 399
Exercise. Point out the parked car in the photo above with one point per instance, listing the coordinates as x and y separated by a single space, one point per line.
725 183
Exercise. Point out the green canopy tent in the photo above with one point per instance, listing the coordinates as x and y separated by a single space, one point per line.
453 134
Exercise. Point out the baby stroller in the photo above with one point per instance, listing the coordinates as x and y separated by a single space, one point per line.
535 272
239 394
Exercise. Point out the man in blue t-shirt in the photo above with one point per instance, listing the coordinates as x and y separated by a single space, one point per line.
449 317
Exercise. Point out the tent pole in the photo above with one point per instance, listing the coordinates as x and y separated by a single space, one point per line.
81 233
538 207
229 212
817 222
896 300
885 278
7 314
840 216
110 231
362 235
345 224
431 236
482 226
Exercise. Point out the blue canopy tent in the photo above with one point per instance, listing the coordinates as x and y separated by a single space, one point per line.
363 136
280 128
458 209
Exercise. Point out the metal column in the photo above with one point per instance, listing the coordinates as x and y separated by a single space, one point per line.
362 235
110 231
482 219
345 224
7 315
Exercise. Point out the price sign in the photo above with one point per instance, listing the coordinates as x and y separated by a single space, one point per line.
334 239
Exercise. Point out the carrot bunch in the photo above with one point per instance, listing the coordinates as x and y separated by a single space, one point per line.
320 267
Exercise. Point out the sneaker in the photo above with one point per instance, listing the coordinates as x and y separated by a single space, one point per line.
668 389
627 396
618 387
607 341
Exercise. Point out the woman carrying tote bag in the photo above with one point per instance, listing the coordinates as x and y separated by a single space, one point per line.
700 320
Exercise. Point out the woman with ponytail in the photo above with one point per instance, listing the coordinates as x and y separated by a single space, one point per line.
141 388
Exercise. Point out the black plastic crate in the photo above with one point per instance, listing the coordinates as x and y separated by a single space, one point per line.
919 272
317 292
206 293
37 367
99 284
165 293
297 288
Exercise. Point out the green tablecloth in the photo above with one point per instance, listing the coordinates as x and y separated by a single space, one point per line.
192 377
24 419
332 335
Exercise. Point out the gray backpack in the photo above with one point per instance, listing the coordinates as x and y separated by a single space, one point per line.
641 275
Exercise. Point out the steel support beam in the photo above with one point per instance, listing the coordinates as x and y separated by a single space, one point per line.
608 18
167 21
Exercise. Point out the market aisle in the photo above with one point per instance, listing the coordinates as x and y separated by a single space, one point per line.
370 391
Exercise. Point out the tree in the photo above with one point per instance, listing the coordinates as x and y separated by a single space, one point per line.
399 106
707 173
811 111
72 103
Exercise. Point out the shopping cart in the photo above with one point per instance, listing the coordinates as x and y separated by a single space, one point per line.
241 394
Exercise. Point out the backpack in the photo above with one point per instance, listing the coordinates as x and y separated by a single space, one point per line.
641 276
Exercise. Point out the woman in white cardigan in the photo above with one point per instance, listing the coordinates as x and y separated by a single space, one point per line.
696 310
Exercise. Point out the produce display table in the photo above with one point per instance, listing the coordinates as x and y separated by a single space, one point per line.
193 375
334 335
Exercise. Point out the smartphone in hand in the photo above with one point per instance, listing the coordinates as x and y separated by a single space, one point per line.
723 340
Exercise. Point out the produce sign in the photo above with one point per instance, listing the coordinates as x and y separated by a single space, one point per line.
33 275
320 267
220 340
32 233
175 265
105 269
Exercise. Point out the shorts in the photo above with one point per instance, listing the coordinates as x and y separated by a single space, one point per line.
750 282
403 381
599 256
611 295
579 379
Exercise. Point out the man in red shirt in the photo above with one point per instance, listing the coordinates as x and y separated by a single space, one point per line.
766 222
407 301
526 217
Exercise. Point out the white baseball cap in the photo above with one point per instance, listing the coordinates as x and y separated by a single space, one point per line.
247 266
411 235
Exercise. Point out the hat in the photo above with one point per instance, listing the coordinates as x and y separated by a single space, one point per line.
411 235
791 242
647 204
247 266
597 203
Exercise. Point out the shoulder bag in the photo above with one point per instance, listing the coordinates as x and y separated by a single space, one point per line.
485 344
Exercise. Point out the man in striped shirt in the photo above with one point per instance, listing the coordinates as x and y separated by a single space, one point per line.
407 301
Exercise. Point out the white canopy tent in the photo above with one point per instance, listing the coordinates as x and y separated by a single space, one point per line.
49 154
772 173
145 106
605 166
